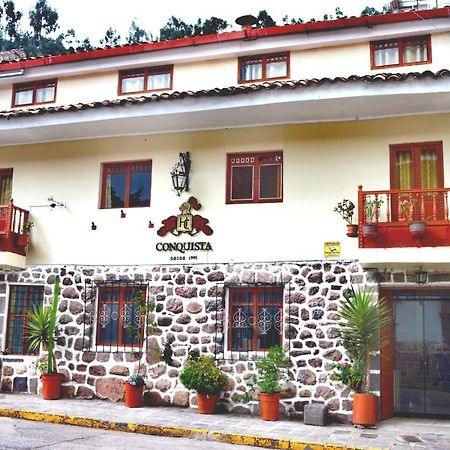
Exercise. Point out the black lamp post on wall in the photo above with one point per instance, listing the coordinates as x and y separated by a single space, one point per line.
180 173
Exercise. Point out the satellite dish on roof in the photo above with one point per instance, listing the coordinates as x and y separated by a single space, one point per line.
246 21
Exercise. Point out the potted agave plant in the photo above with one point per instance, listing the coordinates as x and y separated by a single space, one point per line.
346 210
271 371
134 388
362 316
41 335
203 376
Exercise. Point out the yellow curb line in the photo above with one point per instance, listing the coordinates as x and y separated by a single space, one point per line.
198 433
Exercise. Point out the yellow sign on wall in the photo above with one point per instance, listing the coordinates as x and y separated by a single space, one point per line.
332 250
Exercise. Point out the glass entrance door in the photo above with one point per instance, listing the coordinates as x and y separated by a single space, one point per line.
422 353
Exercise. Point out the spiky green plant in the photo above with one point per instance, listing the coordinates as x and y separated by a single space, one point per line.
42 327
363 316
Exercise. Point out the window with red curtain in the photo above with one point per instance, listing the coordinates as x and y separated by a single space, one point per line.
255 177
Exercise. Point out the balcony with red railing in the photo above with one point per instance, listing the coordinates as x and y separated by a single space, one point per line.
13 229
403 218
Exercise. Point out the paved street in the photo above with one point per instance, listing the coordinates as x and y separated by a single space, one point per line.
24 434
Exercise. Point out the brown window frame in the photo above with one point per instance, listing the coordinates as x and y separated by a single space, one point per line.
235 298
127 165
25 307
5 173
122 335
253 159
400 44
34 86
264 59
145 72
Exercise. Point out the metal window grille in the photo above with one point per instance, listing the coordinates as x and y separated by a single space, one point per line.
115 316
250 319
21 299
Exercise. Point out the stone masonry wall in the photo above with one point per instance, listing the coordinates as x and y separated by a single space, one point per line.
187 314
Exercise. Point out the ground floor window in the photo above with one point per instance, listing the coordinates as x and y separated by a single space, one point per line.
21 299
120 318
255 317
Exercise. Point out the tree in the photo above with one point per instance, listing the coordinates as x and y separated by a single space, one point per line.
369 11
112 38
264 20
12 18
43 18
212 25
137 34
175 29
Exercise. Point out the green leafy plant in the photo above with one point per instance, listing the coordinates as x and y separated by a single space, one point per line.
26 227
372 209
271 372
202 375
42 328
362 316
144 309
136 379
167 352
346 210
348 373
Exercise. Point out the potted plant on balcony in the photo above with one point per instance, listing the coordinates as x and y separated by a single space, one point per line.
362 317
42 330
22 237
346 209
134 389
416 227
271 371
372 212
201 375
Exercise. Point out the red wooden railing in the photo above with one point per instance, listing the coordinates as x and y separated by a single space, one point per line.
12 220
394 209
428 205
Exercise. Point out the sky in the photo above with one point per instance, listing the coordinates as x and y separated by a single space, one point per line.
91 18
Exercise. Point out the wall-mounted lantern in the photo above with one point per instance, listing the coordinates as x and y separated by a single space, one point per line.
421 276
180 173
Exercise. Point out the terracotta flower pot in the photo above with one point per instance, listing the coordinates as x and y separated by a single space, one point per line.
133 395
207 403
364 410
370 230
352 230
22 240
270 406
51 386
417 229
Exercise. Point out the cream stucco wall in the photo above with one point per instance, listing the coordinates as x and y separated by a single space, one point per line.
323 164
314 63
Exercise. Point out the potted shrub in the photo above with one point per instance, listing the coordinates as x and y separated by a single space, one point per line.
201 375
22 238
346 209
362 318
134 388
417 228
372 212
271 371
41 334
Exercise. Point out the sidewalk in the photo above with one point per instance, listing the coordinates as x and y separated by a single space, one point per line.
398 433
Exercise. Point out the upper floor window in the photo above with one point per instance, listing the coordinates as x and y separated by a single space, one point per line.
6 176
401 52
255 317
255 177
35 93
21 299
126 184
145 80
263 67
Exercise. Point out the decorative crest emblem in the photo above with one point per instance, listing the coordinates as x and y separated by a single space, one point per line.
186 222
